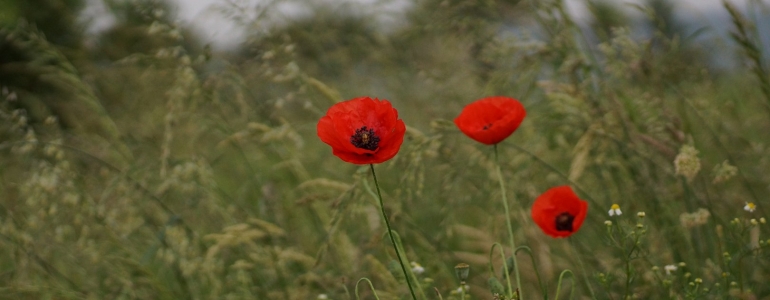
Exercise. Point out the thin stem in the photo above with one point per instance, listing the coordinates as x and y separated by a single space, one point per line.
582 269
416 282
555 170
558 285
510 227
374 292
505 265
537 272
438 294
390 234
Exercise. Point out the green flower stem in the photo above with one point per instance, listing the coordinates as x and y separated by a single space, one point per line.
510 227
374 292
537 272
416 282
558 285
392 239
505 265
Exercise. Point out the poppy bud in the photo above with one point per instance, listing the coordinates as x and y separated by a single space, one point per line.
462 270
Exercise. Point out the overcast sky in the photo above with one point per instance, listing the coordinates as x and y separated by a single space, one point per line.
208 19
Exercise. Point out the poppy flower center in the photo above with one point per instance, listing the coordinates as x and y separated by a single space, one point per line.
487 126
365 138
564 222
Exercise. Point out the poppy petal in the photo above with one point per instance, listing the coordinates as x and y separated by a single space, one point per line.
356 119
491 120
549 209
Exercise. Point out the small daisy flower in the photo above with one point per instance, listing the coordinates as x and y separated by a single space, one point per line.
615 210
322 297
669 269
750 207
417 268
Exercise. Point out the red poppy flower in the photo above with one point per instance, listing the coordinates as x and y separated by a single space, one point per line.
362 131
490 120
559 212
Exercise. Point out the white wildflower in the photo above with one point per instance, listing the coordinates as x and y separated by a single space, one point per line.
615 210
417 268
670 268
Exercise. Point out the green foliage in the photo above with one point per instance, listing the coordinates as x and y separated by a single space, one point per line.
200 176
58 19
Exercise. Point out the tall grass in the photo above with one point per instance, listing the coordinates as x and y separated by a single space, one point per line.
200 176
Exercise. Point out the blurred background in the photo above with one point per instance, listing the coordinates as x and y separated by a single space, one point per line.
159 149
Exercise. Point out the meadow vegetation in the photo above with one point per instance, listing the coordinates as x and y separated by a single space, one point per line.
138 164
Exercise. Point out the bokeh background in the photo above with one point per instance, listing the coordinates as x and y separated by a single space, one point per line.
167 150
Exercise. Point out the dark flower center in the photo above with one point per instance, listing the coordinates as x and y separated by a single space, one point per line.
487 126
365 138
564 222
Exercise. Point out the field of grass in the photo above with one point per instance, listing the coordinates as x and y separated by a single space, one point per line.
167 171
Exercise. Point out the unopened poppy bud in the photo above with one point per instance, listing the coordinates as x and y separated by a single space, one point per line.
462 270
